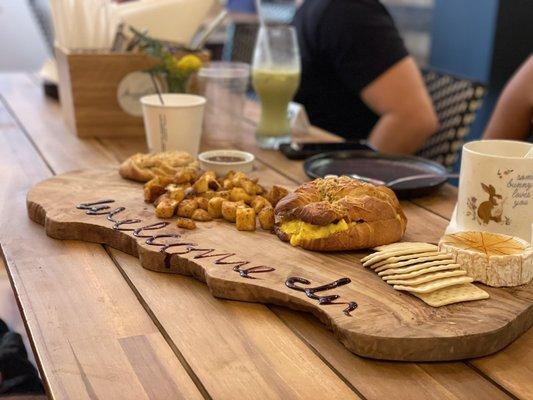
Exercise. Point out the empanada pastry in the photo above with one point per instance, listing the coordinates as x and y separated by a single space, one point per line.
336 214
143 167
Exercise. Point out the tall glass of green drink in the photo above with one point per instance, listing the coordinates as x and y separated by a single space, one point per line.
275 76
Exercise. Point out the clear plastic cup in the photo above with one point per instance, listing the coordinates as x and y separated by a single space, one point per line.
224 85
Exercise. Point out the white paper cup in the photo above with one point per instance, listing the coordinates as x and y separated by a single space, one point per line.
496 188
174 125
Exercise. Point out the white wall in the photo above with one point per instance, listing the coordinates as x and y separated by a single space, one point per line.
21 44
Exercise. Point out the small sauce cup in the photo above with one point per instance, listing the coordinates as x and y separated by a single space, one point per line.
224 161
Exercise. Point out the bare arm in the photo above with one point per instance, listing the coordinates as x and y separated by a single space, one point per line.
512 117
407 118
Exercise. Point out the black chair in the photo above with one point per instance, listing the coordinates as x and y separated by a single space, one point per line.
240 42
456 101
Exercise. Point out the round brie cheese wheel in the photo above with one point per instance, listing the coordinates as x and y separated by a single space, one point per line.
491 258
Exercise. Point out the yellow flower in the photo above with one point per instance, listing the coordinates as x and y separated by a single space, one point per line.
189 64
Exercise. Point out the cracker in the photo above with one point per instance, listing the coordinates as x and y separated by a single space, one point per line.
421 272
432 276
382 255
429 287
453 294
404 257
416 267
398 245
415 260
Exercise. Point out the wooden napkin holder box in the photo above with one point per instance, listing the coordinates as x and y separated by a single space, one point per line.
88 84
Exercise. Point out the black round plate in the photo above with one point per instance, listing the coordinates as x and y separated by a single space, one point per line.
379 166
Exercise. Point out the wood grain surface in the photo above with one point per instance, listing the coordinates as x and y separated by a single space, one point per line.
86 328
41 129
229 358
387 324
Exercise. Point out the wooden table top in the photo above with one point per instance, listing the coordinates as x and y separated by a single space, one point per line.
102 327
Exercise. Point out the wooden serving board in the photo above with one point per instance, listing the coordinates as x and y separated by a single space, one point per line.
254 266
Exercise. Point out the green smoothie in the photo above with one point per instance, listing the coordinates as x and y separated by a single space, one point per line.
275 88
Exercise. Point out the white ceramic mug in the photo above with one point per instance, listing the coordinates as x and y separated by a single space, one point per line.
496 188
174 125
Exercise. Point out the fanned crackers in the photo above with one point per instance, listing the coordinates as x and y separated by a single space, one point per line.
426 277
451 295
416 267
397 251
438 283
405 257
412 261
420 269
421 272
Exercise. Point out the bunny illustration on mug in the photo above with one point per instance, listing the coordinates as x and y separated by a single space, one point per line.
492 209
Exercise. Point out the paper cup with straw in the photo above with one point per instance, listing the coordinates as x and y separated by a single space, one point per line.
175 123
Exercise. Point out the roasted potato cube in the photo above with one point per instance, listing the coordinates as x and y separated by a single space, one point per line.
239 194
248 186
174 186
189 192
201 185
201 215
208 195
186 223
165 180
153 189
230 175
166 208
185 175
225 194
229 210
259 189
227 184
276 194
238 177
245 219
207 181
258 203
210 175
202 202
160 199
266 218
214 184
176 192
214 207
187 207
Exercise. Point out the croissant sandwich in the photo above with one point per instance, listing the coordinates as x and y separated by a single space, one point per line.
335 214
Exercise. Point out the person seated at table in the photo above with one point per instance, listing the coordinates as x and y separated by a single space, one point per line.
17 373
513 116
244 6
358 80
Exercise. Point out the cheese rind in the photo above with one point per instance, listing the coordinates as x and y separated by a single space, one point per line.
486 258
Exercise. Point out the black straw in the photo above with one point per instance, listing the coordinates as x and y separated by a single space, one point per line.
156 86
